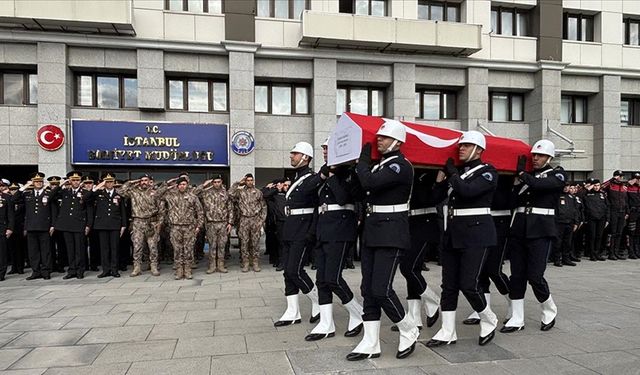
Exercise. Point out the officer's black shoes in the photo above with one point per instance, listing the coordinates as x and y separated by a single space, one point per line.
482 341
361 356
402 354
593 259
546 327
318 336
601 258
34 276
394 327
314 319
2 278
93 268
433 319
354 332
115 274
632 256
612 257
568 262
471 321
433 343
557 263
506 329
80 276
104 274
574 258
350 265
46 276
279 268
284 323
68 276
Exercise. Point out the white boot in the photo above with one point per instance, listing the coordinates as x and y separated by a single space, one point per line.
549 312
447 333
408 335
516 322
488 324
431 302
315 305
509 307
415 311
326 327
291 314
355 315
369 346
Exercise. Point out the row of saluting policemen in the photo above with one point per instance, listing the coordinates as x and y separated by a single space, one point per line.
479 216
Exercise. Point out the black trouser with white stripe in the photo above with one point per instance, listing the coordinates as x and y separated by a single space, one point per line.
329 259
492 269
295 277
528 263
461 270
411 269
379 265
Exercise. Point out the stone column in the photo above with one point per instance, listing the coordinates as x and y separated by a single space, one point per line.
54 98
151 91
605 116
473 105
402 99
542 105
323 104
241 102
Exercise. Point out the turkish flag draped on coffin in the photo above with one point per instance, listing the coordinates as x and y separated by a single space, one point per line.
426 145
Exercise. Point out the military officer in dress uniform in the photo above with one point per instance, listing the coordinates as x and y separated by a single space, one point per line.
17 242
533 230
302 201
567 220
335 233
7 225
469 233
38 226
58 250
387 188
633 193
93 240
110 223
596 212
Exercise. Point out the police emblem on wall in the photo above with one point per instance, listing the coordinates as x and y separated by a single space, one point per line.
242 143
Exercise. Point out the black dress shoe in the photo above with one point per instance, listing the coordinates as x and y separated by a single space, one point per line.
354 332
2 278
313 267
284 323
601 258
104 274
46 276
115 274
80 275
432 320
593 259
34 277
279 268
568 262
314 319
506 329
361 356
68 276
575 259
612 257
557 263
482 341
93 268
318 336
435 343
350 265
546 327
471 321
394 328
402 354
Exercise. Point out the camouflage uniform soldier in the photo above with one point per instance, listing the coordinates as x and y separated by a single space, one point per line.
182 211
218 210
253 212
144 226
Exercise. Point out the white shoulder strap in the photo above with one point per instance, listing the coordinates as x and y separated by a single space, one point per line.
295 184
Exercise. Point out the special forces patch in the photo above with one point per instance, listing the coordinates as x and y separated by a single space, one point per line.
395 167
560 176
487 176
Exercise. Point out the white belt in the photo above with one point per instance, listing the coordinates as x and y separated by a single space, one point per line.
298 211
335 207
388 209
470 211
536 211
500 212
423 211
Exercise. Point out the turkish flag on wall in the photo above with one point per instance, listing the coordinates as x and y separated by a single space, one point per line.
428 145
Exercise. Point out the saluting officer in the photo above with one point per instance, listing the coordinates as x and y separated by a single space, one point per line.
335 233
387 189
532 233
567 220
301 200
469 232
7 225
73 217
618 213
38 226
596 212
58 250
110 223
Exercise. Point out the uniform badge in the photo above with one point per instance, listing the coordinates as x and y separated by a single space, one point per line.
79 195
116 201
395 167
45 199
562 201
487 176
560 176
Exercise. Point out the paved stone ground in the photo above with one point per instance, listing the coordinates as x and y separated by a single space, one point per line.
223 324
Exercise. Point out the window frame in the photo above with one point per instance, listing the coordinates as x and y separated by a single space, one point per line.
386 8
185 93
26 93
633 107
515 29
627 30
510 96
272 9
185 6
445 5
369 89
442 93
579 17
94 89
574 98
293 87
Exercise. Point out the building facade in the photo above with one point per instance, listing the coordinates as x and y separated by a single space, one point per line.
283 70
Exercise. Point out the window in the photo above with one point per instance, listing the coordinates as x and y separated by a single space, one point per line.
282 99
506 106
361 100
291 9
630 111
578 27
18 88
632 31
197 95
438 11
364 7
106 91
510 21
573 109
196 6
435 105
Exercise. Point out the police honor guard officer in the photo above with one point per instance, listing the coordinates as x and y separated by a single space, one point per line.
301 200
38 225
618 213
387 189
110 222
7 226
567 220
469 232
596 212
532 233
634 216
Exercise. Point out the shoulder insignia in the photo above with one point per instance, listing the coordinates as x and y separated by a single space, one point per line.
560 176
487 176
395 167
